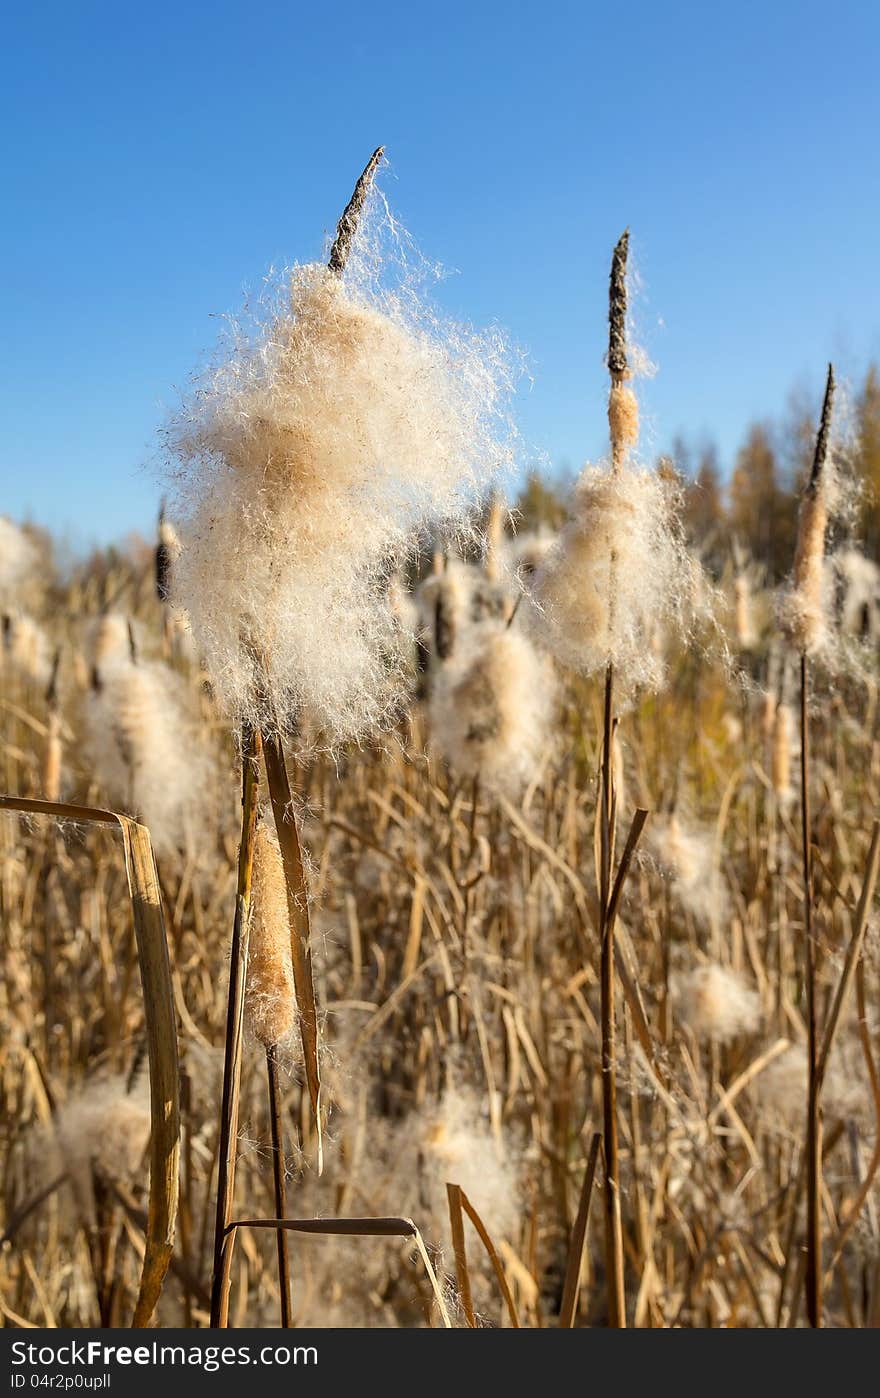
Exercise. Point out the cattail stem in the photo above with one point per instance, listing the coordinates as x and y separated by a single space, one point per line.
613 1225
228 1134
813 1271
617 368
278 1173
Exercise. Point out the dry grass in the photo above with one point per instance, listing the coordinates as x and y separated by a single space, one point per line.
456 951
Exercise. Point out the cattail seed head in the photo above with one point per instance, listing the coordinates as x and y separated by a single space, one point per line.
716 1003
110 645
167 550
26 650
686 854
310 457
618 571
52 763
806 603
623 416
492 708
743 618
102 1131
804 606
270 998
19 561
144 750
780 752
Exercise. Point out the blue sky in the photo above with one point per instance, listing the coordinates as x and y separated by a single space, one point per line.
159 157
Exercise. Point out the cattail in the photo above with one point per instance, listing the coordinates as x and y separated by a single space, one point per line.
26 650
167 549
102 1131
444 597
19 561
743 619
855 581
492 708
687 856
804 609
495 538
780 752
179 632
525 553
270 999
619 570
52 762
623 419
110 646
310 457
716 1003
144 750
455 1145
782 1087
458 598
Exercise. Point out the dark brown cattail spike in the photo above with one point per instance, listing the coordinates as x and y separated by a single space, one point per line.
821 453
163 561
617 365
347 225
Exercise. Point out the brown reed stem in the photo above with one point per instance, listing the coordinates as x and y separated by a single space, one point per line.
575 1259
228 1132
278 1174
813 1269
613 1224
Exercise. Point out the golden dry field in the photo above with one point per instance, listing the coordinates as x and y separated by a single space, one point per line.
505 920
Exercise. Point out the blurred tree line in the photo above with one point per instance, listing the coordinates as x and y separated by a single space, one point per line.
757 505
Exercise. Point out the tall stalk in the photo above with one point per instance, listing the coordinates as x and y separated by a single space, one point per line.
278 1177
288 837
813 1264
228 1136
613 1221
617 366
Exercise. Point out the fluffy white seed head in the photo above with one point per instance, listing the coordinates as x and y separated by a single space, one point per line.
619 571
782 1088
856 583
145 753
524 553
103 1130
26 651
716 1003
686 854
492 709
455 1145
454 600
19 561
310 456
109 645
